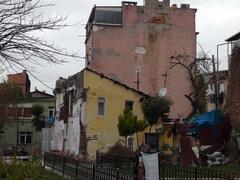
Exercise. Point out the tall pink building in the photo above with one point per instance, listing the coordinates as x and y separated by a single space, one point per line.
124 40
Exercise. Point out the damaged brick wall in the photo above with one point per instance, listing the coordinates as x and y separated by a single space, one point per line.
233 96
69 127
83 140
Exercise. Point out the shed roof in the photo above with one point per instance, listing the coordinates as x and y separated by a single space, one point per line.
234 37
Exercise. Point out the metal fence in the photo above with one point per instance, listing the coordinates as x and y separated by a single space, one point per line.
169 172
120 162
83 170
120 168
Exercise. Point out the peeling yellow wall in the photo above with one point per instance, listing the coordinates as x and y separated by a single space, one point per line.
166 138
102 131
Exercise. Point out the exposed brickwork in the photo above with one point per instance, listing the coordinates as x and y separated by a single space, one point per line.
83 141
22 80
64 112
20 112
233 96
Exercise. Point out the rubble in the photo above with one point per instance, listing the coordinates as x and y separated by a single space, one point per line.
216 158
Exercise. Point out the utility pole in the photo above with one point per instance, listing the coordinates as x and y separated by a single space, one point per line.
138 70
215 83
138 80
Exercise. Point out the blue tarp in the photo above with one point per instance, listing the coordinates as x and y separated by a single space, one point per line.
211 118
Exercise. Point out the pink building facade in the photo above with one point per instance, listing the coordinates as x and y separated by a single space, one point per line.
121 39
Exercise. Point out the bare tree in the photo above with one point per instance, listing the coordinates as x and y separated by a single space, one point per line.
195 68
19 48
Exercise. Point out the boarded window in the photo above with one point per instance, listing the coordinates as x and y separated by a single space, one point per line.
108 16
101 106
129 105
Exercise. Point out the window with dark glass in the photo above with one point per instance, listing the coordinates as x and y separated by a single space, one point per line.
130 142
129 105
25 137
152 139
108 16
50 112
101 106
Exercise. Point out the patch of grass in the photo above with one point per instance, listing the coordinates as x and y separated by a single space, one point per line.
49 175
218 171
229 168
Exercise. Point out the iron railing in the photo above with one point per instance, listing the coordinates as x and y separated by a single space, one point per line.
82 170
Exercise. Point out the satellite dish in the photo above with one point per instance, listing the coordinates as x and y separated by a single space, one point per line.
162 92
137 69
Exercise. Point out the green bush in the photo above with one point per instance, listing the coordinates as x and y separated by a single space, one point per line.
21 170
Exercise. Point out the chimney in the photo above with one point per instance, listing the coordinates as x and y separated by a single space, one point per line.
157 4
21 80
185 6
151 3
166 3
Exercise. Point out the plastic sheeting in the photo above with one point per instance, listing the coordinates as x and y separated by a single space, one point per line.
212 118
151 164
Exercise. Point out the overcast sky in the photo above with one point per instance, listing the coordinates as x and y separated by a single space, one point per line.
216 20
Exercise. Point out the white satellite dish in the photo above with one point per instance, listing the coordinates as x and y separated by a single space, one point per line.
162 92
137 69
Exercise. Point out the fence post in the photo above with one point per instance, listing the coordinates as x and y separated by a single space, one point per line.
116 162
53 161
100 156
93 171
195 173
163 173
117 174
63 164
159 165
76 168
44 160
238 165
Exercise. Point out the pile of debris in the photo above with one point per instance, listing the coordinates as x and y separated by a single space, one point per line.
216 158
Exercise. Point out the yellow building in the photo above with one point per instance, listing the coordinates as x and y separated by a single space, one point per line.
88 105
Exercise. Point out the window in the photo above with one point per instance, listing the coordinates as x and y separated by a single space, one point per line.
152 139
101 106
130 142
50 112
112 16
129 105
25 137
